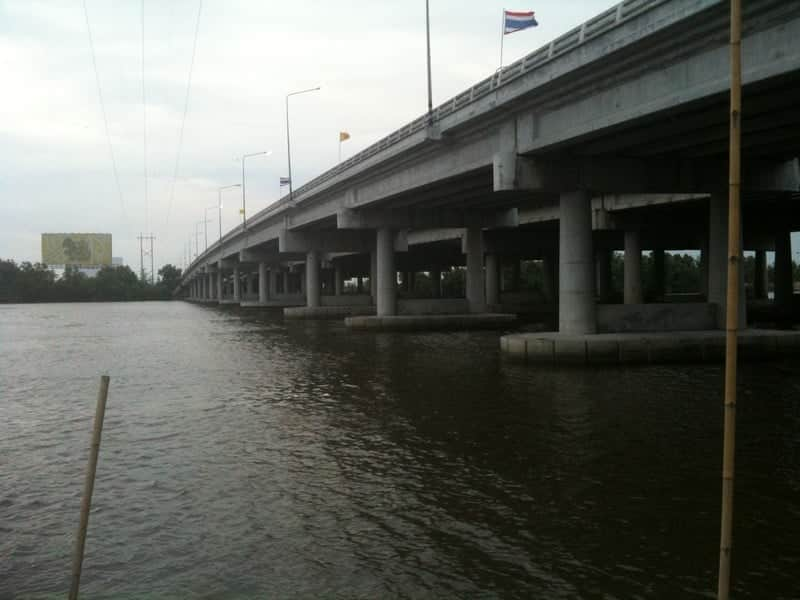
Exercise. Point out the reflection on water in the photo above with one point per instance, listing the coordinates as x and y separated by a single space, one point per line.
243 456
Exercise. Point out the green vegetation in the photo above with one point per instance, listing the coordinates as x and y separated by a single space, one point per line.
34 282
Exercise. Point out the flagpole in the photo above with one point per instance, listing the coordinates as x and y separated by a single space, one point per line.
430 85
502 35
340 147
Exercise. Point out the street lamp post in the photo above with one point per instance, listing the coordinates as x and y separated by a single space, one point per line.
219 204
288 138
428 39
244 215
196 239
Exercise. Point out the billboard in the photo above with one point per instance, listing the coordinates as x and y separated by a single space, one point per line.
81 249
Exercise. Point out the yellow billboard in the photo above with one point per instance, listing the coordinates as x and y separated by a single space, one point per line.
82 249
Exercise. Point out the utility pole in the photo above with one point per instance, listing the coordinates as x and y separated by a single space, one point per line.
141 257
152 262
142 253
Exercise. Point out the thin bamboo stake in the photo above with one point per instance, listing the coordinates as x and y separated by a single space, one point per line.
732 317
88 487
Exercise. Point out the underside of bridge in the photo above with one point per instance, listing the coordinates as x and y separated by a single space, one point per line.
574 194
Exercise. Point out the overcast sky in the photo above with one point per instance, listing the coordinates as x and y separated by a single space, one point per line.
369 57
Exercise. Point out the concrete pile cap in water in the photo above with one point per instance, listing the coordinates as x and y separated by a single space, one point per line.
432 322
632 348
326 312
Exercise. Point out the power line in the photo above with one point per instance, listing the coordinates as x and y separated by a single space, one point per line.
103 111
185 112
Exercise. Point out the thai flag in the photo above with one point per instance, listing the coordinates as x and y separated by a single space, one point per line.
518 20
285 181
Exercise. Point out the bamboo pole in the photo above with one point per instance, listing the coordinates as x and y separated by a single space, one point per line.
88 487
732 316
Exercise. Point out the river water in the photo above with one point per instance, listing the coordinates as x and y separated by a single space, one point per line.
246 457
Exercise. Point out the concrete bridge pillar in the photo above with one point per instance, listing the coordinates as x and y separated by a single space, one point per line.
760 281
219 284
718 261
312 279
633 268
476 294
436 283
386 284
492 280
237 285
784 286
603 274
263 283
577 313
360 284
659 273
210 286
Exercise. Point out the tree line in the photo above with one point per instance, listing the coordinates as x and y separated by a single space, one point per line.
35 282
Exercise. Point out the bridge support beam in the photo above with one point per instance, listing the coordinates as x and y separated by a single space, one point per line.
492 280
219 285
784 287
263 283
577 313
312 279
633 268
386 304
476 296
210 286
718 260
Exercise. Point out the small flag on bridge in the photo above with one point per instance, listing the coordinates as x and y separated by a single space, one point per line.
515 20
343 135
285 181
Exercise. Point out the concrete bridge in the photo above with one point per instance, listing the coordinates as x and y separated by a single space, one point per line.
613 137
